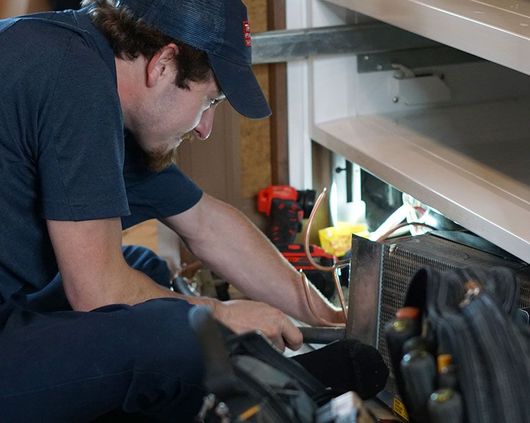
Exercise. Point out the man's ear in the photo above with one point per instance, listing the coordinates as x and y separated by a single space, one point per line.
161 65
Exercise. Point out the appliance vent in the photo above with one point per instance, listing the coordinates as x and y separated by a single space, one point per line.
381 273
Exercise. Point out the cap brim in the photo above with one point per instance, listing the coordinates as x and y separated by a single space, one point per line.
239 85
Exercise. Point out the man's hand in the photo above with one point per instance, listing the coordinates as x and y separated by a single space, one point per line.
243 316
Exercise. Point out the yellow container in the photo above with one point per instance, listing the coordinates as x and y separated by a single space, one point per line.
336 240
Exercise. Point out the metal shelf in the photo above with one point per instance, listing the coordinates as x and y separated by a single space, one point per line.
471 162
496 30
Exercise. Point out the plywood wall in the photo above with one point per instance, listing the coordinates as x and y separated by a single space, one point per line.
255 134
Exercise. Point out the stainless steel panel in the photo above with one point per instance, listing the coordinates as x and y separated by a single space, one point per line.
365 281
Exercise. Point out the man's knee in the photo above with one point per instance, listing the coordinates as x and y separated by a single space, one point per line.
165 339
166 360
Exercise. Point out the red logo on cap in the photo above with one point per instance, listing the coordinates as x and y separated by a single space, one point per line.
246 34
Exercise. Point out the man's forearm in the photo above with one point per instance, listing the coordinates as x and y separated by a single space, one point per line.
263 274
127 286
235 249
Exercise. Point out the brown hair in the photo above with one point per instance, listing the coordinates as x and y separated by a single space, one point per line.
129 38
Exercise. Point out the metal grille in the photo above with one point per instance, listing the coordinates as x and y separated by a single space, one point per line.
399 265
525 294
400 261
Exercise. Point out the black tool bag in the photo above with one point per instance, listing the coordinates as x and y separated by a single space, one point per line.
472 315
249 380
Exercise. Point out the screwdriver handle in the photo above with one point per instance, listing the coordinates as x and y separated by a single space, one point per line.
445 405
418 371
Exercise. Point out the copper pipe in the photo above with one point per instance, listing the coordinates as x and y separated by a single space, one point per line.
333 268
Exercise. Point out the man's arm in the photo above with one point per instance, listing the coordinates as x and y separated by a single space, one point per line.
92 266
229 244
95 274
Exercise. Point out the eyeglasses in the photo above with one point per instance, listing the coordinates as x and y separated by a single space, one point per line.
215 101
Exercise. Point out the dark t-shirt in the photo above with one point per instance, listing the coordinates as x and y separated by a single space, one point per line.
61 145
154 195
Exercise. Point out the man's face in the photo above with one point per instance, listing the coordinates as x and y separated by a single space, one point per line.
170 112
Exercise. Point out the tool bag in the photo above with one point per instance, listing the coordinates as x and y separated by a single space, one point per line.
472 314
249 380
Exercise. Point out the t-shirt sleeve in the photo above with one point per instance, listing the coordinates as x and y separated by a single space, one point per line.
160 195
80 152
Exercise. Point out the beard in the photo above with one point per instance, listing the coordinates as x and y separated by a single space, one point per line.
159 159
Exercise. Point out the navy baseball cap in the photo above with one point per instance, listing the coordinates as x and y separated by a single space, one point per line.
221 29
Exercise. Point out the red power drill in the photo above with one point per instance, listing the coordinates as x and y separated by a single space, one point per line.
286 208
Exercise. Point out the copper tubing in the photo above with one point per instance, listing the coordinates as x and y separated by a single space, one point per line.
333 268
309 299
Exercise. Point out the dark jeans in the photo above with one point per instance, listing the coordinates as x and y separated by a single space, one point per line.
59 365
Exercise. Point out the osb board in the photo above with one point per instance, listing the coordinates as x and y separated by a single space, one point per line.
257 14
255 134
144 234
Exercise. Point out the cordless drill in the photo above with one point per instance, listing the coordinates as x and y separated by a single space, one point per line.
286 208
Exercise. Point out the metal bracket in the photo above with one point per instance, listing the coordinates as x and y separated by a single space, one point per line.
418 89
284 46
377 44
414 58
402 72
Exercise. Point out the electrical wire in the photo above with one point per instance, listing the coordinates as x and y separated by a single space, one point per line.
402 225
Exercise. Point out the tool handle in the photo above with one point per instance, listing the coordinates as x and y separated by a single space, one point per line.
322 334
445 405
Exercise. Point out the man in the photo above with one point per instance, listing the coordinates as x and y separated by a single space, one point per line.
75 85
